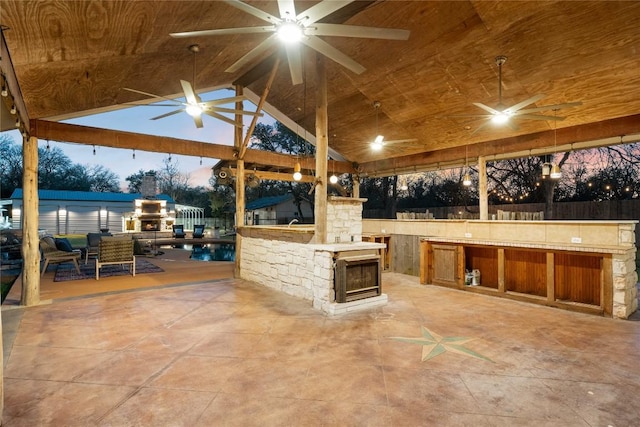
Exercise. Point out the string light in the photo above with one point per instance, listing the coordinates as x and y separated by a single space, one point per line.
48 147
94 150
200 160
134 154
13 109
297 175
4 91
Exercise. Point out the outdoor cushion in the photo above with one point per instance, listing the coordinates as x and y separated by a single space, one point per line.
63 244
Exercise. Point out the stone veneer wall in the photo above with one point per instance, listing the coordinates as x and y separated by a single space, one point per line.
344 219
293 268
625 279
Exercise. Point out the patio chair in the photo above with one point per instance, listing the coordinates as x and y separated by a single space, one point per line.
53 255
198 231
178 231
93 240
115 250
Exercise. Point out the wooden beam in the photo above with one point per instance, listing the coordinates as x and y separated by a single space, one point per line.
275 176
263 98
322 145
64 132
590 135
11 81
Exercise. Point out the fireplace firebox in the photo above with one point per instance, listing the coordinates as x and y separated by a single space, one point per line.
357 277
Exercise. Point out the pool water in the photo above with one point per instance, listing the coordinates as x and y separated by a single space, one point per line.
213 252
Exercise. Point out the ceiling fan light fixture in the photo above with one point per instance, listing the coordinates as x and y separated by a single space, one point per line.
193 110
290 32
378 143
500 118
555 173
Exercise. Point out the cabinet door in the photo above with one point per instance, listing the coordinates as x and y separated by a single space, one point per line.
445 264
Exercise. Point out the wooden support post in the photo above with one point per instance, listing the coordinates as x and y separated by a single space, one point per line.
483 188
356 186
30 239
240 202
551 279
322 151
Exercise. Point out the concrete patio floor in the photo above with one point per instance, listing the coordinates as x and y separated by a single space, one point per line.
214 351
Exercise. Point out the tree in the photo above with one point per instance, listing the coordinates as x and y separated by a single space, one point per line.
171 181
10 166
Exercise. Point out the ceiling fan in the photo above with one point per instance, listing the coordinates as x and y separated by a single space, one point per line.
379 142
194 106
502 114
292 29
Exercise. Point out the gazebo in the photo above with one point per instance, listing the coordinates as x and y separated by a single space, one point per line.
424 76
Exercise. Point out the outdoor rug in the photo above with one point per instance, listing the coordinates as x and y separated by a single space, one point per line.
67 271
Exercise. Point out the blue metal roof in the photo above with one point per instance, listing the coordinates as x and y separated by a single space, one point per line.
268 201
87 196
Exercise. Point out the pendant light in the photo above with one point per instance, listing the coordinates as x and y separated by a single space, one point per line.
333 178
297 175
378 142
555 172
466 180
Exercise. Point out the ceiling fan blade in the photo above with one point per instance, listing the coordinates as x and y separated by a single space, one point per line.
470 115
232 111
397 141
189 94
320 10
339 30
223 32
538 117
223 101
287 9
135 104
152 95
551 107
162 116
252 54
524 103
512 125
487 108
254 11
295 62
480 127
223 118
332 53
198 121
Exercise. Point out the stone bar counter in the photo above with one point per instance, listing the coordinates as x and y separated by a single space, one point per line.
286 258
586 266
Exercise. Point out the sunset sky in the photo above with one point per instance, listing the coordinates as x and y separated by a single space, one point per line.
137 119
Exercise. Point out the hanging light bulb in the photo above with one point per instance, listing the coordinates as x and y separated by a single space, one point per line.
546 169
4 91
466 180
297 175
13 109
200 160
48 147
403 184
333 179
556 173
133 156
94 150
18 122
378 142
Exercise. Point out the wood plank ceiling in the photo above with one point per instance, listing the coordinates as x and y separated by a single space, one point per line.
73 57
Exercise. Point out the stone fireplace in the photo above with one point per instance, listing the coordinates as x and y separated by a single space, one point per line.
340 276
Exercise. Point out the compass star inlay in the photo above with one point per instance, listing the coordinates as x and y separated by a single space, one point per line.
434 345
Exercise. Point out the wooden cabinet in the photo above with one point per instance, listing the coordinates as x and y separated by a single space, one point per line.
566 279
